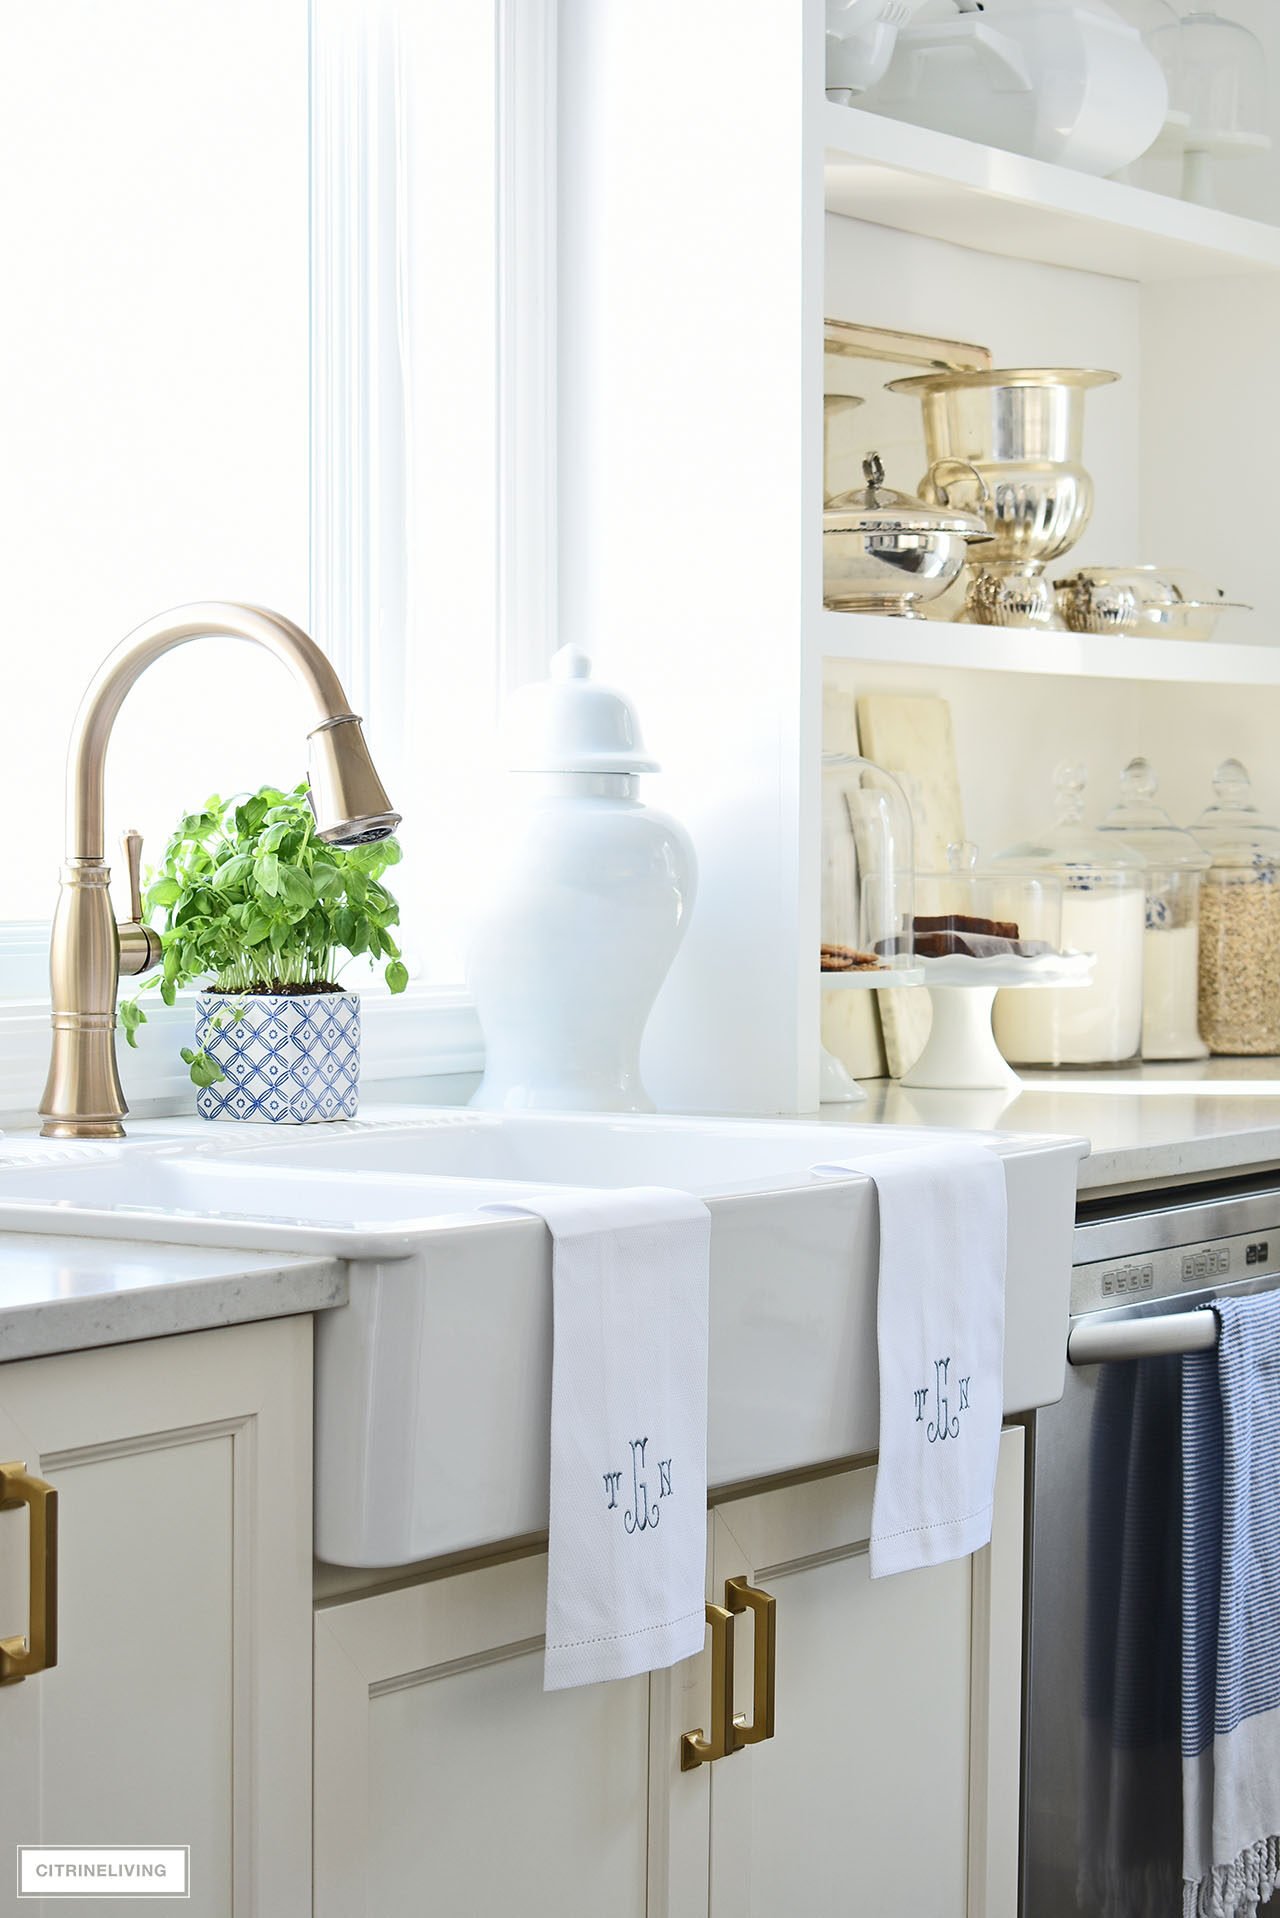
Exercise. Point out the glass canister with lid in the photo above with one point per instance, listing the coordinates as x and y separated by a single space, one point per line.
1171 943
1103 912
1239 919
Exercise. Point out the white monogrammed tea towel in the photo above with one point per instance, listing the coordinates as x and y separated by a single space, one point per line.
940 1332
626 1566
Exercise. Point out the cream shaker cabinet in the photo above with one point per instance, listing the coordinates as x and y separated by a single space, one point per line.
891 1782
448 1782
178 1709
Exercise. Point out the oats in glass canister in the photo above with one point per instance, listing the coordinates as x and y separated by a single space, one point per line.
1240 961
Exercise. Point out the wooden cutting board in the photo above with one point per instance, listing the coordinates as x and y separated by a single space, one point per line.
910 735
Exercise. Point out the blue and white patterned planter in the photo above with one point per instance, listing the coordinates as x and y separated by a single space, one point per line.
289 1059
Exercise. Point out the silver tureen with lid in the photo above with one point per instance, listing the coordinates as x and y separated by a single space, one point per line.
888 552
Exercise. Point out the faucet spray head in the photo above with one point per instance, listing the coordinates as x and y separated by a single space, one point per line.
347 797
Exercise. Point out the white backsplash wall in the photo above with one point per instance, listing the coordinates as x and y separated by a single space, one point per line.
1211 464
1013 730
1027 314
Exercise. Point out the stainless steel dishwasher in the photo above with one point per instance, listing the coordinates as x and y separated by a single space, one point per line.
1101 1768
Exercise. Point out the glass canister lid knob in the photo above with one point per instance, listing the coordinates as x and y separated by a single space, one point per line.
1068 786
1138 780
1233 787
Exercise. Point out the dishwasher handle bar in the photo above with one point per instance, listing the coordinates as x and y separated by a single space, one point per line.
1166 1335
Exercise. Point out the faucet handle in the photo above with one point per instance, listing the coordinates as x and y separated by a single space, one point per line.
140 949
131 844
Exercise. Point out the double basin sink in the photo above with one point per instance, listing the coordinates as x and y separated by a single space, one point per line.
433 1383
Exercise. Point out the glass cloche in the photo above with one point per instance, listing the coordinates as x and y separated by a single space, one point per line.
1239 919
1171 943
1217 74
1103 912
867 870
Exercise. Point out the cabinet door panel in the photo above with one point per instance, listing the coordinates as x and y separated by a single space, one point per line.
501 1797
136 1730
179 1708
895 1756
866 1773
448 1782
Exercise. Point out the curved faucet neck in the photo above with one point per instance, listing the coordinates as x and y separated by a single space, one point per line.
91 734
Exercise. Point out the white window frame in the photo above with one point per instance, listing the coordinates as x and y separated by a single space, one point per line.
360 90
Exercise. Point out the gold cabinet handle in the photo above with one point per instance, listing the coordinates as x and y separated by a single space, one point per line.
739 1596
695 1749
37 1649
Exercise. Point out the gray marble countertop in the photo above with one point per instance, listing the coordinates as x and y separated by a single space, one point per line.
64 1295
1149 1126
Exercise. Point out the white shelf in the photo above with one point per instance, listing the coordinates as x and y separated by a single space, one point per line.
880 638
934 184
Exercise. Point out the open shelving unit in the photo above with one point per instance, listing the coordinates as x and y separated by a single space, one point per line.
756 212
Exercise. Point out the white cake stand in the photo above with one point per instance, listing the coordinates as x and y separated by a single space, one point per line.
836 1084
961 1054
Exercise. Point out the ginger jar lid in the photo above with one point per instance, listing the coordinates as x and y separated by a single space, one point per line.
570 723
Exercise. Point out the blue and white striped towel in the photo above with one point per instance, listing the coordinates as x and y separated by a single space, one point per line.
1231 1614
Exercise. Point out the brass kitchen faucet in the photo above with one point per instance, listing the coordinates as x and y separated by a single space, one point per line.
89 951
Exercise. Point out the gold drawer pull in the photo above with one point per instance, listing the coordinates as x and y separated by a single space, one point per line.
739 1596
696 1750
37 1650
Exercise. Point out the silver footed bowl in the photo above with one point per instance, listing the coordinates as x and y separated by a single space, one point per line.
1011 599
1022 428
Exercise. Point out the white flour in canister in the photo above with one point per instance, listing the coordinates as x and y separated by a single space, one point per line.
1170 988
1097 1024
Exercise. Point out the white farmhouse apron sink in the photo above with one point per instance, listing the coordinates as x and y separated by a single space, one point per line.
433 1383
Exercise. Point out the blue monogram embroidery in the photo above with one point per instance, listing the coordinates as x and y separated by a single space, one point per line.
945 1424
643 1511
642 1515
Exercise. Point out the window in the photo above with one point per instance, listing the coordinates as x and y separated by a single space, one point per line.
287 339
153 417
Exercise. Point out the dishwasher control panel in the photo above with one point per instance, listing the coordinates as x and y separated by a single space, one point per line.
1102 1284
